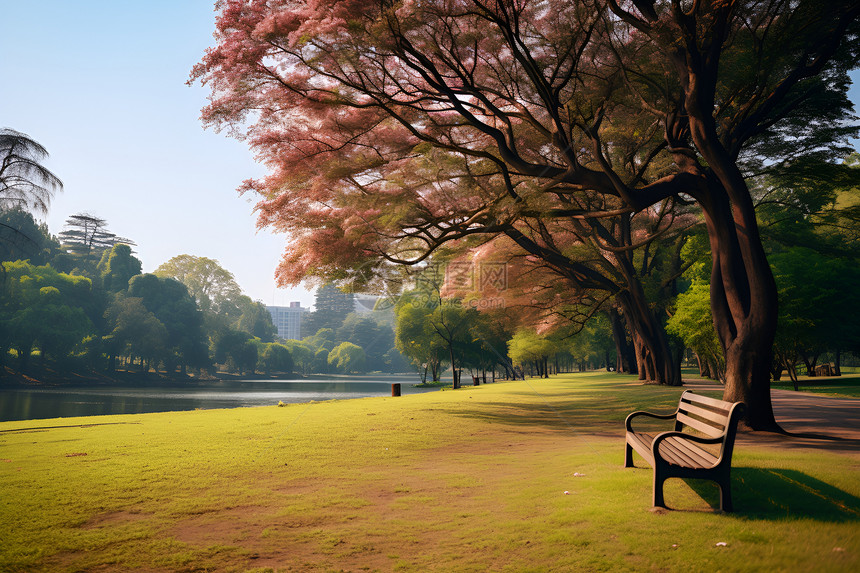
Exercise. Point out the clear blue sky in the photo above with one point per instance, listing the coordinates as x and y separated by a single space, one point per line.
101 84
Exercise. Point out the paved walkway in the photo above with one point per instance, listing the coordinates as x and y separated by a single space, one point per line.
811 420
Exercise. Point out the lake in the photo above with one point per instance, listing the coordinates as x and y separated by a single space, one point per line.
95 400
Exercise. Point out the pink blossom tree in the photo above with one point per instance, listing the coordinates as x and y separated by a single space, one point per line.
393 129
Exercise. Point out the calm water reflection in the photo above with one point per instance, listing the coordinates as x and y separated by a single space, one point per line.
63 402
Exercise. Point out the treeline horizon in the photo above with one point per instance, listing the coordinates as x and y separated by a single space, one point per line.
78 302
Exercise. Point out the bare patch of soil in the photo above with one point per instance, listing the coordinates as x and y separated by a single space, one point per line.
113 519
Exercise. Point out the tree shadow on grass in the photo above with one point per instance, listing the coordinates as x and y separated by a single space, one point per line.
601 407
763 493
560 416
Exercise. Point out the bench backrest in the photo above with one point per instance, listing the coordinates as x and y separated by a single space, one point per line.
708 415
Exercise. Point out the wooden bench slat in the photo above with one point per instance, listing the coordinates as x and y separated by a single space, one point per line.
674 456
708 458
687 457
698 425
706 400
698 456
720 418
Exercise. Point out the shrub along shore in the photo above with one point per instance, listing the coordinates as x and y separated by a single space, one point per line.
513 476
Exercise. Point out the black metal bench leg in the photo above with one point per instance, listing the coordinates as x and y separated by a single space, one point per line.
725 496
628 457
658 489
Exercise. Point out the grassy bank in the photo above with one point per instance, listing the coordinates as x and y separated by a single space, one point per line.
516 476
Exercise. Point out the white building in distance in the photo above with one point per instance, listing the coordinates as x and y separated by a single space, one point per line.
288 320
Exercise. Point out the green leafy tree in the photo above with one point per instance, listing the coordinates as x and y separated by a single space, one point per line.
591 345
348 358
86 237
492 329
255 319
135 332
527 347
394 362
819 295
302 353
43 308
449 319
171 303
376 339
324 338
331 307
415 338
236 351
49 324
212 286
275 357
22 238
117 267
320 363
692 323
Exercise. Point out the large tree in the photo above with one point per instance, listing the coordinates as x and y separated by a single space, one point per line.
415 338
170 302
23 238
393 128
212 286
117 267
85 234
134 331
40 307
374 338
24 182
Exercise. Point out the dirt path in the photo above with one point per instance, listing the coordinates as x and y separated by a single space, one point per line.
811 420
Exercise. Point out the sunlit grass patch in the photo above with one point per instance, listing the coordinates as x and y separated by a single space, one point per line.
513 476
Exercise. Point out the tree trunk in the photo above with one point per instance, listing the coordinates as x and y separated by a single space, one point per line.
677 358
837 369
640 356
704 366
792 371
743 290
625 351
776 371
653 354
743 299
622 347
810 363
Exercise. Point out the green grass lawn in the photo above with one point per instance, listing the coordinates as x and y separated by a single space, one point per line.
514 476
845 386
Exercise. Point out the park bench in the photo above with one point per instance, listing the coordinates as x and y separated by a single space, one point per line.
682 454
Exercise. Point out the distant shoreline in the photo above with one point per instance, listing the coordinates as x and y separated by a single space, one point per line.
12 379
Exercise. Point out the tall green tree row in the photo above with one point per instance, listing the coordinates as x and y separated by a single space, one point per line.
84 303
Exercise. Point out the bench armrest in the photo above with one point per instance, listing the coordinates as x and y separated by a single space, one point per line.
629 420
